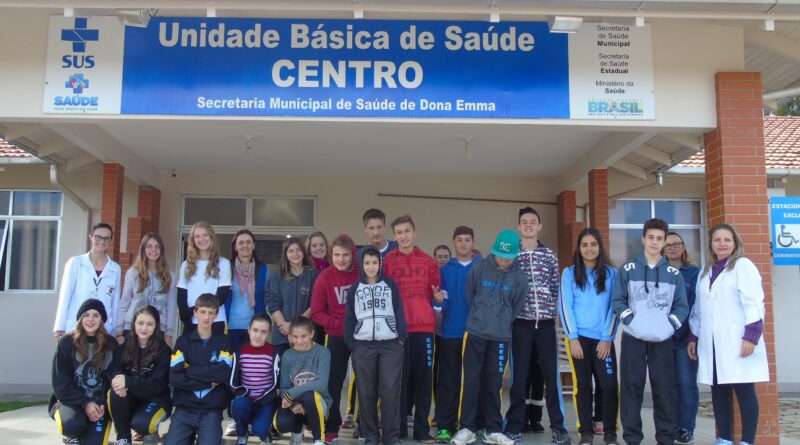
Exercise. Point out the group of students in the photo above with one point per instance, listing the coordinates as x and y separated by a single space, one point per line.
392 311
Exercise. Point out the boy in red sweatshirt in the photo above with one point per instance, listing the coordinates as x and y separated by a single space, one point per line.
328 301
418 281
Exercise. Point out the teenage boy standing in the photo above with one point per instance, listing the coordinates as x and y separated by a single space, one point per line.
534 331
495 292
375 229
199 369
418 280
454 310
649 298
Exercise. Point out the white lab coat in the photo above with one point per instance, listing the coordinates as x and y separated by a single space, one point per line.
79 283
719 316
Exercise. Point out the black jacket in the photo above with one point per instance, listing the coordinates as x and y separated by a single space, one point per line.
195 366
76 382
149 383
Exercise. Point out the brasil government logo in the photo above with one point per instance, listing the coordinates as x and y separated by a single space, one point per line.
616 107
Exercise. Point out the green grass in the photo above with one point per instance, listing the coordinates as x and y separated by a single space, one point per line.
10 406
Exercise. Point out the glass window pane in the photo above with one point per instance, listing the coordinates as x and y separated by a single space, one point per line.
5 200
693 244
37 204
215 211
33 255
283 212
629 212
625 244
678 212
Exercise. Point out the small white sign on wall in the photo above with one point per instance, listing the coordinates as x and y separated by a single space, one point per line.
84 65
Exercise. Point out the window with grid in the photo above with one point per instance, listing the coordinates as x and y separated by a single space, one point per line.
30 225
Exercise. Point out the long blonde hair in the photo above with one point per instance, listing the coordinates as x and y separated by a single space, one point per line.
193 253
141 266
737 253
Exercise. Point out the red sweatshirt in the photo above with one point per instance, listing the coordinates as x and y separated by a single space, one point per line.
414 274
329 297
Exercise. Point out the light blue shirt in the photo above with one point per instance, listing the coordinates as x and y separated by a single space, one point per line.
240 313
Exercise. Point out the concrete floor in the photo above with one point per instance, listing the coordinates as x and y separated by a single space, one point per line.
32 426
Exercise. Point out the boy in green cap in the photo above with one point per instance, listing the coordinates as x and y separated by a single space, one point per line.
495 292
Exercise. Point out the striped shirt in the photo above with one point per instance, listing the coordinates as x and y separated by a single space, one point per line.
256 368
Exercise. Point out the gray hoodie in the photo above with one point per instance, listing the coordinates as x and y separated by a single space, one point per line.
650 302
495 297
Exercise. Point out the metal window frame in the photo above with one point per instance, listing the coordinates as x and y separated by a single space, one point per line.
8 240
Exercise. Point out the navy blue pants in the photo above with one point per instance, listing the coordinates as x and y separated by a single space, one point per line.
185 423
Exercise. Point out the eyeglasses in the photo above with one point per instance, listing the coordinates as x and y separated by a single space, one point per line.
673 245
102 239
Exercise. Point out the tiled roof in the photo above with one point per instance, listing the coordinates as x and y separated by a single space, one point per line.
11 151
781 140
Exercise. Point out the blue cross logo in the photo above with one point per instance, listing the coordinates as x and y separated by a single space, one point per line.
80 35
77 83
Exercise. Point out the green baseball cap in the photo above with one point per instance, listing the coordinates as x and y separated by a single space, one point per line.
506 245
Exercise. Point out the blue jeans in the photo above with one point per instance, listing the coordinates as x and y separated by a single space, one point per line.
185 423
246 412
688 397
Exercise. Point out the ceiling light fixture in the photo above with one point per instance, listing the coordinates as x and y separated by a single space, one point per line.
640 22
138 18
69 12
769 25
211 12
564 24
358 13
494 17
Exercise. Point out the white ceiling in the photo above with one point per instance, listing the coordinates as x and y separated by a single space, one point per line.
377 148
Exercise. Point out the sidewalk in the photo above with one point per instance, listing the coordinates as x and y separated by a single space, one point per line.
32 426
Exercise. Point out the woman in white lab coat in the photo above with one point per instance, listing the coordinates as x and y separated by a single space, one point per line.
727 322
91 275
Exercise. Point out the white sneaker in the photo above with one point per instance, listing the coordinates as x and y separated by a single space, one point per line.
297 439
498 439
319 442
463 437
230 430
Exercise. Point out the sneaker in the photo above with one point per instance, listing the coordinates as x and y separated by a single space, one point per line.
297 439
230 430
347 423
598 428
560 438
610 438
685 438
331 437
150 439
536 427
241 440
587 439
122 442
409 420
444 436
71 440
516 437
498 439
357 432
136 437
265 441
463 437
426 439
721 441
319 442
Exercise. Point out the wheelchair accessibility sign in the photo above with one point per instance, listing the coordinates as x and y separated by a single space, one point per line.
785 215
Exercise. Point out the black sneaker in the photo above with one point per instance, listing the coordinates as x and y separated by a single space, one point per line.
536 427
684 438
561 438
610 438
587 439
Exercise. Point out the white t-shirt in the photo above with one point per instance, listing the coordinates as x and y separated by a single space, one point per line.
199 284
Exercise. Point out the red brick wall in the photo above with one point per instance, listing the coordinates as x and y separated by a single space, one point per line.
736 193
150 206
598 202
567 227
111 204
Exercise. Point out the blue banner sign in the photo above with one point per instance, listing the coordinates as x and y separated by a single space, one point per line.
785 218
348 68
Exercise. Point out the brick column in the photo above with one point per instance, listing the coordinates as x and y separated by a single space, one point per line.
567 226
736 193
598 202
111 206
150 205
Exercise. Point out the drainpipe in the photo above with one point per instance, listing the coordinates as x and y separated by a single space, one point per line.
54 179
